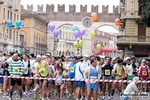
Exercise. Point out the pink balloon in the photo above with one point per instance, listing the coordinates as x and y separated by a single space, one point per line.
51 27
56 33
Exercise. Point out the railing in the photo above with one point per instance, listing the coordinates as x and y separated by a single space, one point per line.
19 43
2 1
133 39
41 46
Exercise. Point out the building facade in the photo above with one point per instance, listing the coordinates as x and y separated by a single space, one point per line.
136 38
10 39
34 32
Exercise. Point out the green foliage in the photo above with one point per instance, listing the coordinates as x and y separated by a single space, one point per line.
145 6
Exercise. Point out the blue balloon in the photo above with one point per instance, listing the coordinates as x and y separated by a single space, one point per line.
9 23
18 23
74 28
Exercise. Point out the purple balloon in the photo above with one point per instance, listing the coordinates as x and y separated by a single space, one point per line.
56 33
82 32
51 27
76 33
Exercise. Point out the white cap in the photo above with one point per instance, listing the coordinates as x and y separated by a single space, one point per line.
48 54
127 58
38 56
43 56
143 60
85 55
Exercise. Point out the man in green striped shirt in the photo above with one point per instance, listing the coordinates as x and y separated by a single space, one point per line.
15 68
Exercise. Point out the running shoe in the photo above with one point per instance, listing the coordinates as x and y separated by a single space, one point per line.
109 97
103 97
34 96
1 91
36 87
52 97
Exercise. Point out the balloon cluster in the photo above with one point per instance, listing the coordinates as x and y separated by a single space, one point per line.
76 44
18 23
51 27
78 33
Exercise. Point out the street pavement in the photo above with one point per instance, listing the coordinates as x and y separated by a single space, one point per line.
116 97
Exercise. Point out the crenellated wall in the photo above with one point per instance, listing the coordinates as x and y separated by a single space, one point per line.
72 15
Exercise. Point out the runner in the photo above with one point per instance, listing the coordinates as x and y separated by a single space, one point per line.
44 72
143 74
107 75
71 75
118 72
92 73
84 65
60 84
26 82
79 75
15 69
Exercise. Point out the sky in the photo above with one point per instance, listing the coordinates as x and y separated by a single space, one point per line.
75 2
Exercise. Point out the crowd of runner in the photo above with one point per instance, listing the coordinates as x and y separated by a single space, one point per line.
87 67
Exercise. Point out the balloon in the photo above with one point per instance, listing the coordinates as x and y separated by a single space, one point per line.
75 44
76 33
92 34
18 23
98 46
82 32
51 27
9 23
117 22
74 28
94 16
81 42
56 33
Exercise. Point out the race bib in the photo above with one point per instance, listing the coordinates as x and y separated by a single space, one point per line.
16 70
71 69
107 72
144 72
129 72
100 67
93 79
119 71
26 71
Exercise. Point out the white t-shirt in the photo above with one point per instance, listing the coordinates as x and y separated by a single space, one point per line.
129 69
85 64
1 61
66 65
131 88
32 62
78 71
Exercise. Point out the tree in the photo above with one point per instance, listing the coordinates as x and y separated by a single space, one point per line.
144 5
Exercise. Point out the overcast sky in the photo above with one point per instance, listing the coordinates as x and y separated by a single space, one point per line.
76 2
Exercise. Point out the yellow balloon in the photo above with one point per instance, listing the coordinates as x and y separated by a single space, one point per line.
75 44
98 46
81 42
92 34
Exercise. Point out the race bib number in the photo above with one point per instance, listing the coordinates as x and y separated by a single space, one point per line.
71 69
107 72
144 72
16 70
93 79
25 70
129 72
119 71
100 67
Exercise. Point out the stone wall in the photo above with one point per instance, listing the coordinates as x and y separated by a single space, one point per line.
72 15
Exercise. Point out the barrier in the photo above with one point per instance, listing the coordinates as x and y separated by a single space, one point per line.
68 79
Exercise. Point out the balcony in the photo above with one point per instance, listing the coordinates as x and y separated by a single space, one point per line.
10 3
19 44
69 41
133 40
4 41
2 1
16 7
